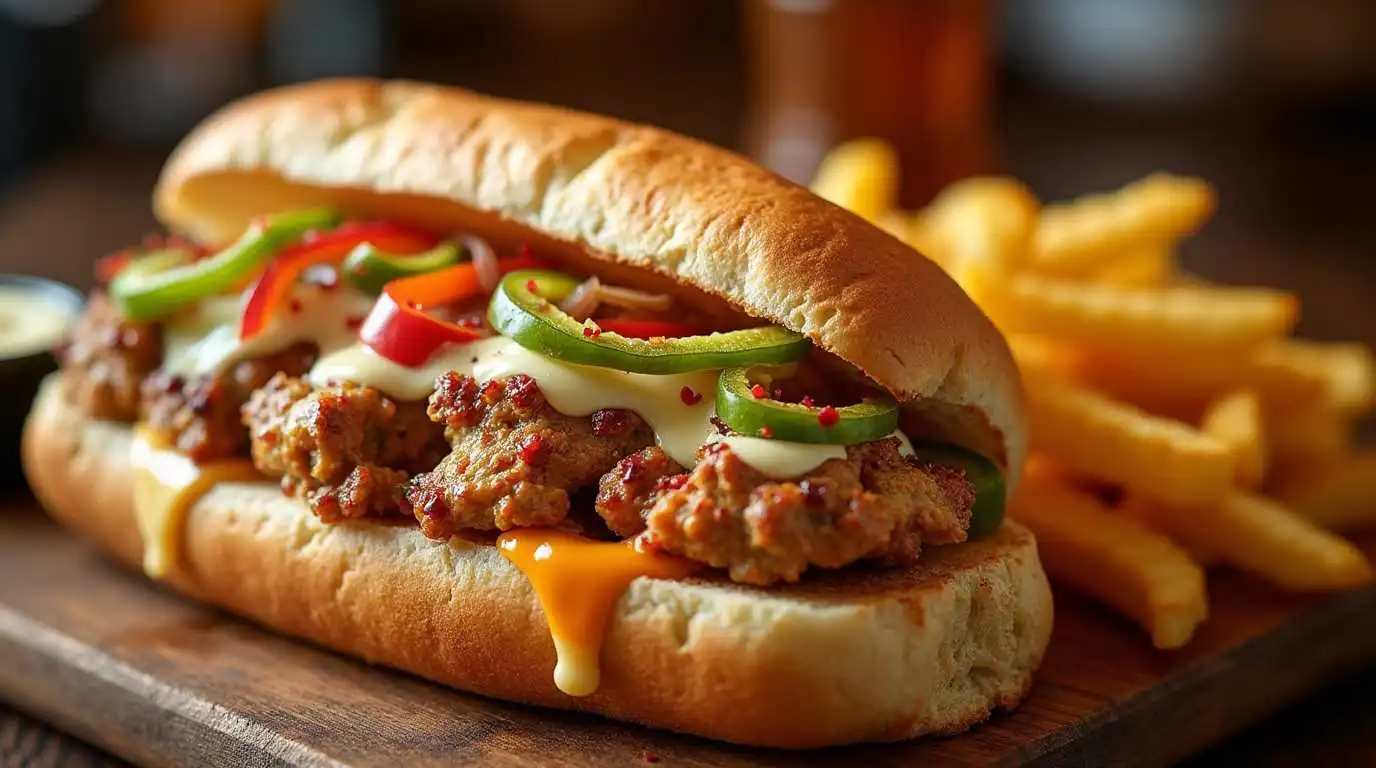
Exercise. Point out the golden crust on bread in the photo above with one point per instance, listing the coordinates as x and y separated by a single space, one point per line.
586 187
858 655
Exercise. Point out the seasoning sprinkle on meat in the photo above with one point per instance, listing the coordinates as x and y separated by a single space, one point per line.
347 450
875 503
486 484
200 416
626 493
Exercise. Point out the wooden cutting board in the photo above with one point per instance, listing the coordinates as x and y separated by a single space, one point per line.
158 680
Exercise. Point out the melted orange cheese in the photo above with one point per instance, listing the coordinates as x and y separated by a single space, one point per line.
578 582
166 486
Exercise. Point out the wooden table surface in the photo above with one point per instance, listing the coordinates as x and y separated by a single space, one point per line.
1295 213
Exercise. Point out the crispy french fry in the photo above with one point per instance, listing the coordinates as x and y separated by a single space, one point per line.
1103 439
1123 354
985 220
1147 266
1260 536
1190 278
1169 320
1235 419
1114 559
1339 496
1046 356
1180 383
860 175
924 236
1304 437
1079 236
1347 370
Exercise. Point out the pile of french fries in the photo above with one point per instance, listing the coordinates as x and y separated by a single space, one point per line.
1175 424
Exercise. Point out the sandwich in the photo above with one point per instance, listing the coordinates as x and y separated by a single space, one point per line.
559 410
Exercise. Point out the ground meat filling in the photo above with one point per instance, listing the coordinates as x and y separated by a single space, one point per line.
626 494
346 450
515 458
943 497
199 416
873 503
104 360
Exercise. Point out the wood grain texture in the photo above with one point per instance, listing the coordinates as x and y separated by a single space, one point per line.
26 743
158 680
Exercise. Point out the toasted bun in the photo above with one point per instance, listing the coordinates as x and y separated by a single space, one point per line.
851 656
649 205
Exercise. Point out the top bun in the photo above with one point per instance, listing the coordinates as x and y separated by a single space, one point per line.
637 204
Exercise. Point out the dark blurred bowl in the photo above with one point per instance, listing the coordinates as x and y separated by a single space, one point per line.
20 376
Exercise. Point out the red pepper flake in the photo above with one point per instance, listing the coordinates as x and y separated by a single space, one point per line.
689 397
532 451
354 322
766 432
591 331
610 422
530 286
650 757
429 502
524 393
828 417
294 307
758 392
807 401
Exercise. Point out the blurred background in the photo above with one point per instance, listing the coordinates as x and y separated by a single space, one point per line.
1273 100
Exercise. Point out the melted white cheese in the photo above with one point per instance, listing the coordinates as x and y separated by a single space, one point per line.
905 447
794 460
205 339
360 364
578 390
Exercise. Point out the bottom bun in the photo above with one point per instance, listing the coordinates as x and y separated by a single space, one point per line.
850 656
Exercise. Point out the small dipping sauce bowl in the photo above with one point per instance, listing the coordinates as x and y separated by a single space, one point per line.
35 314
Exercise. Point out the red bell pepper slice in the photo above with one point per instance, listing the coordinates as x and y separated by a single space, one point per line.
270 292
397 327
646 329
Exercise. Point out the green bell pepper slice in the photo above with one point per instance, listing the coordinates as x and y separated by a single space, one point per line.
524 308
153 262
142 294
370 269
990 494
747 408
